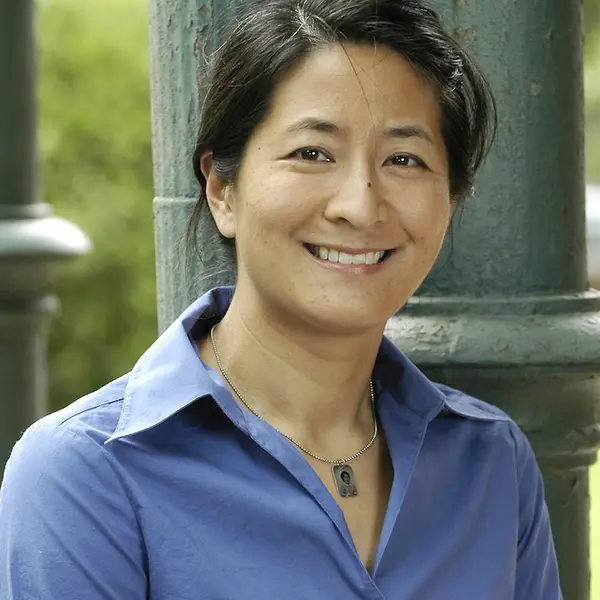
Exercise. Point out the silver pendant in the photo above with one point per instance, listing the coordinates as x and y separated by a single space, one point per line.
344 480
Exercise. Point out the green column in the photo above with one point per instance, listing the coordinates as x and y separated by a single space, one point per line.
32 242
505 315
181 33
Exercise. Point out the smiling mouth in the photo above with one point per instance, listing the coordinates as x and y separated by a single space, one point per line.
334 256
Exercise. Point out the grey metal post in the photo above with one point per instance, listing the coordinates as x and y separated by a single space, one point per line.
180 33
32 242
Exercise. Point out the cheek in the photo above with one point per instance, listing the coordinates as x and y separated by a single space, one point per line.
427 219
281 205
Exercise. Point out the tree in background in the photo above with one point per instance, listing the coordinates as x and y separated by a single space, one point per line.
94 138
592 88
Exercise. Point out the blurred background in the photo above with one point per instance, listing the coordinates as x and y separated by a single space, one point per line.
94 144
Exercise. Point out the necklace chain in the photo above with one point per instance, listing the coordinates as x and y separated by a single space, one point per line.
339 461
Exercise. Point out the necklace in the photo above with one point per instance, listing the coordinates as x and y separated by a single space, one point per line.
343 474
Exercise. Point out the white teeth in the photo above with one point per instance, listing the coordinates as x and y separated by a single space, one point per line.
344 258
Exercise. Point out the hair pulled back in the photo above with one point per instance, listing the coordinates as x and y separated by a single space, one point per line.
277 35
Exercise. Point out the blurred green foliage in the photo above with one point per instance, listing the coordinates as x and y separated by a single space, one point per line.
94 139
592 88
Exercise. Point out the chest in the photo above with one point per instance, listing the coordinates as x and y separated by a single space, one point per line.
364 512
246 524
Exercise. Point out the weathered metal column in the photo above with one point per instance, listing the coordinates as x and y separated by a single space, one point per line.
31 241
506 314
182 32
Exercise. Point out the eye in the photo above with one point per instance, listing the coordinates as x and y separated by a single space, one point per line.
312 155
406 160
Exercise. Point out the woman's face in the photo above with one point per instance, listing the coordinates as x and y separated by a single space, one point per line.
342 200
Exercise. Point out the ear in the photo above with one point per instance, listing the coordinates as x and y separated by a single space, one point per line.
218 197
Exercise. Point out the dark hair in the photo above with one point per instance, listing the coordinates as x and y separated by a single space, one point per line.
278 34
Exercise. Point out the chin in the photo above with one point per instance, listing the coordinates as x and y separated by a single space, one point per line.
340 310
347 317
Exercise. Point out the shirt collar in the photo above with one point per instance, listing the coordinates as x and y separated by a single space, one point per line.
170 376
397 375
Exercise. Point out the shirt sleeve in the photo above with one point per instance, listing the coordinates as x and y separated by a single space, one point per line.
537 570
67 527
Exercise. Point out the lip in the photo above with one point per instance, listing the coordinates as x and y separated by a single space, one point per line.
363 269
347 250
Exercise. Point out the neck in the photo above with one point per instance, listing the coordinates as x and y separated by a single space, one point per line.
311 385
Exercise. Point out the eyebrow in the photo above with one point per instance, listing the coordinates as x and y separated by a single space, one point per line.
408 131
313 124
322 126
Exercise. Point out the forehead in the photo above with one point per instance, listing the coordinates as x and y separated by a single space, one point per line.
357 85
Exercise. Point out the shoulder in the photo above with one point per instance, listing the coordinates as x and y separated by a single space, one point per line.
488 418
64 495
67 439
96 414
470 407
61 461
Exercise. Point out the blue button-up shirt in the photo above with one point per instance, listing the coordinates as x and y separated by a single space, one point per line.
161 486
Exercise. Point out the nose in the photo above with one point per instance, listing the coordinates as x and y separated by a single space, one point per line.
357 200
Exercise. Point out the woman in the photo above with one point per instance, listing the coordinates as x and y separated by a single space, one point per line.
272 444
